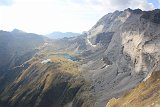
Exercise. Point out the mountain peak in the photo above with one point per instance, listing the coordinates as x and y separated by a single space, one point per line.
128 9
17 31
136 11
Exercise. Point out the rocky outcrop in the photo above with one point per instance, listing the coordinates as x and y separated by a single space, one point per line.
153 16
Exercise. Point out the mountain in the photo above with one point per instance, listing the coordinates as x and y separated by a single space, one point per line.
17 43
116 64
26 79
16 47
131 54
60 35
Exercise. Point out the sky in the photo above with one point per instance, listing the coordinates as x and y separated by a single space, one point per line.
46 16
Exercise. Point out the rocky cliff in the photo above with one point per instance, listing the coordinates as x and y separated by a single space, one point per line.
132 52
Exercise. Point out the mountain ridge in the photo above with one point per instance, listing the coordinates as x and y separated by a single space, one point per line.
60 35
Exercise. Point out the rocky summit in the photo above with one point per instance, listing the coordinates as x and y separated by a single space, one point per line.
114 64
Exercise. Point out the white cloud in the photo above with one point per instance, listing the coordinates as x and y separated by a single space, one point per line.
117 4
122 4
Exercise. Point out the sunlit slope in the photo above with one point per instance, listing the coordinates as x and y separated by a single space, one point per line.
146 94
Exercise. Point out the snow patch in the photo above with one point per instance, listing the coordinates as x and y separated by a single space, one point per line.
106 66
90 43
148 76
45 61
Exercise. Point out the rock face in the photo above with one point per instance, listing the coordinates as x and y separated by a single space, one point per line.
131 54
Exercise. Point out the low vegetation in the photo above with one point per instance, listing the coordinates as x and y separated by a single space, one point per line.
146 94
54 83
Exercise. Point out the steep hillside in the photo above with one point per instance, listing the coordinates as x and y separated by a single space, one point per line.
146 94
52 84
16 47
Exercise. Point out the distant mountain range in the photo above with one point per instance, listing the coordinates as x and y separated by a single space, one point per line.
60 35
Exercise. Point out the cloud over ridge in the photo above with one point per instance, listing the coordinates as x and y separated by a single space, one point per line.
117 4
